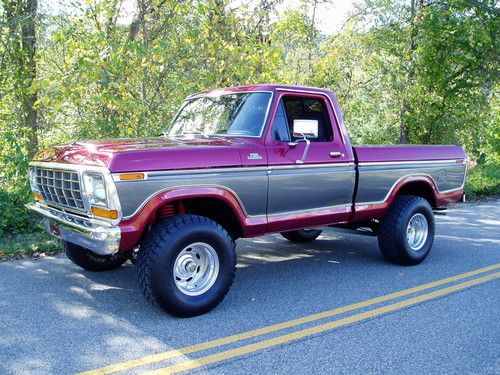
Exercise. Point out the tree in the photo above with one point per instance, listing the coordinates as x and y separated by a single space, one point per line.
20 66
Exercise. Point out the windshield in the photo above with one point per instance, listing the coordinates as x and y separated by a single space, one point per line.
239 114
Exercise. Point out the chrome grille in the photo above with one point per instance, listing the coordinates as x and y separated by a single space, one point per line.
60 187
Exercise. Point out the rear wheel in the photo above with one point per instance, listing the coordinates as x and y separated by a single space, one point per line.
90 261
186 265
302 235
406 234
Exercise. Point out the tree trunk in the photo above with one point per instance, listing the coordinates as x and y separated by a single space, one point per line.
20 55
311 38
416 7
30 114
145 44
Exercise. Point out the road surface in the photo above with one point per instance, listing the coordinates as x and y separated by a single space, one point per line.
331 306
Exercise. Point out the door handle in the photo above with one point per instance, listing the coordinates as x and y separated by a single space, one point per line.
336 154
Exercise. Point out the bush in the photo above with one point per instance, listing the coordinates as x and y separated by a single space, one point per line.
20 232
14 217
483 180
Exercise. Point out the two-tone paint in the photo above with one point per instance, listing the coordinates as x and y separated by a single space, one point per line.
259 179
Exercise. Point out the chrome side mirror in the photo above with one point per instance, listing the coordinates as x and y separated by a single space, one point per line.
305 129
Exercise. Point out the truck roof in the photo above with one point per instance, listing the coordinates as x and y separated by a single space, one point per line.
264 87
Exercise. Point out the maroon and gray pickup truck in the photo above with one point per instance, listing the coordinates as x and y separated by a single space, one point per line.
237 162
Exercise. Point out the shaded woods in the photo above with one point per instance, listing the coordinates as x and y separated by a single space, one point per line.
417 71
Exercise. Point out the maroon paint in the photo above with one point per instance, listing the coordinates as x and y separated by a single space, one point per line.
313 218
408 153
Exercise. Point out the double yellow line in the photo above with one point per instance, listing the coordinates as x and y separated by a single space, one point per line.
300 334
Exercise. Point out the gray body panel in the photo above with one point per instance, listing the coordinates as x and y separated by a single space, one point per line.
306 187
291 188
249 184
376 180
287 189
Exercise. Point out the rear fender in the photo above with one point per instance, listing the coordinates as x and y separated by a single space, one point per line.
377 210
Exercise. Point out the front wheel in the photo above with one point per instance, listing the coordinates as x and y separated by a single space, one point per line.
90 261
406 234
186 265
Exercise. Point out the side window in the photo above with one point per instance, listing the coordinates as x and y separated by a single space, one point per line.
281 130
304 108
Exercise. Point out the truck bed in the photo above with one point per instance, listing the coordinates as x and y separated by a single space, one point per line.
437 172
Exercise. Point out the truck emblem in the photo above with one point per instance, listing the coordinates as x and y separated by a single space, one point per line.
254 156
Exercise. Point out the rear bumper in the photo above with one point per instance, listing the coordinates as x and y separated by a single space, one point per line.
88 233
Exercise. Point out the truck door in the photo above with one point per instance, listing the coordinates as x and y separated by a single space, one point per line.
307 188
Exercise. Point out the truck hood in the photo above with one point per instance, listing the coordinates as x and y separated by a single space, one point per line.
148 154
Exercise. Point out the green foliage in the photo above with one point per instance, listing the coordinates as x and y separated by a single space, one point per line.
455 74
14 218
483 180
294 41
14 187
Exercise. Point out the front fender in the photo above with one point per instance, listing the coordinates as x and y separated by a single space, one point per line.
135 227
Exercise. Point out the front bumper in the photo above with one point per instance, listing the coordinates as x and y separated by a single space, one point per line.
91 234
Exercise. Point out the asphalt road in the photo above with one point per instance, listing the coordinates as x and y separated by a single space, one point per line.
56 318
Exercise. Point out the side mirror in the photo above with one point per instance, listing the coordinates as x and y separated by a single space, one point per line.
305 128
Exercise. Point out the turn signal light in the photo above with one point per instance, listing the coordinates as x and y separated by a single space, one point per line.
38 197
105 213
131 176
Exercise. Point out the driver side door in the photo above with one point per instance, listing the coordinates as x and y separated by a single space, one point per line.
316 189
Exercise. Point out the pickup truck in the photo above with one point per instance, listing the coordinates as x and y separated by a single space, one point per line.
233 163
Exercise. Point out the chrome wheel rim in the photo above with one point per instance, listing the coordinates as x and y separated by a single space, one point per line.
196 268
417 231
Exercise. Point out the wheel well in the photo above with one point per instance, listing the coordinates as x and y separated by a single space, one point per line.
213 208
419 189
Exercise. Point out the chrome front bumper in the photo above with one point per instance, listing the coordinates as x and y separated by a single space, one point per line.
91 234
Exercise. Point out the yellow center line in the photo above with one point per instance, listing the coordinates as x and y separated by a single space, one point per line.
126 365
294 336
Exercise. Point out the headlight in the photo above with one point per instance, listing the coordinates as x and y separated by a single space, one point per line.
33 183
95 187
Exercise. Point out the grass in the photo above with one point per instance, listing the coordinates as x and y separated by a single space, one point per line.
29 244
